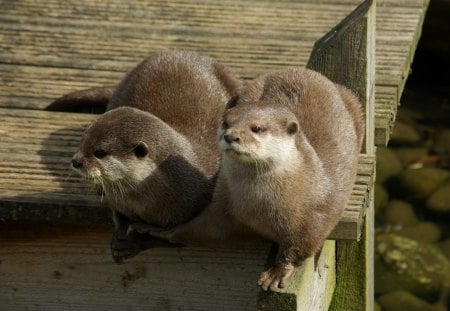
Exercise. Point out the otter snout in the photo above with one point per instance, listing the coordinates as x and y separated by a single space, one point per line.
76 163
231 138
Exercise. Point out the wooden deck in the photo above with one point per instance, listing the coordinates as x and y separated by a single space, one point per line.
49 48
79 44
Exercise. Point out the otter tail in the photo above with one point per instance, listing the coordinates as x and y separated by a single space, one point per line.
92 100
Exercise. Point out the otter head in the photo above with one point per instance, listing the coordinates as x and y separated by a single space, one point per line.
115 152
258 133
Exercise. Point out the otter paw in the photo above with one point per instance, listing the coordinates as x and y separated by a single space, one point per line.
276 277
131 244
140 228
123 249
157 232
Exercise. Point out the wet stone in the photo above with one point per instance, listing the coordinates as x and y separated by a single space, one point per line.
423 231
442 143
439 201
418 183
445 247
399 213
404 134
405 264
388 164
409 155
381 198
402 301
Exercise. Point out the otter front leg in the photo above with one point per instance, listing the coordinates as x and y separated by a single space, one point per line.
287 259
212 228
191 233
122 245
125 245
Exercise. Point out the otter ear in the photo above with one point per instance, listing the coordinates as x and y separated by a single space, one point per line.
141 150
292 128
232 102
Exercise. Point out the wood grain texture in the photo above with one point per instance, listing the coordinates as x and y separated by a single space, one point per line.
37 184
46 267
79 44
355 261
398 29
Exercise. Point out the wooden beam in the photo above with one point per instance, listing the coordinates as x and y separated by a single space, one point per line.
69 267
346 55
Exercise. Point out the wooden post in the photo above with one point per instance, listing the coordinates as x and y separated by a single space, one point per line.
346 55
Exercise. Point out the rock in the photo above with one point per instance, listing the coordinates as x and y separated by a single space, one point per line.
399 213
404 134
423 232
439 201
381 198
445 247
402 301
442 143
409 155
387 164
418 183
405 264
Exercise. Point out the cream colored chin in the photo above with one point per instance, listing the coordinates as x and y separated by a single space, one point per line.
132 169
235 155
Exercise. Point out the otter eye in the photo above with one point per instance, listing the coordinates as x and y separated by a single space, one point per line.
100 153
256 129
292 128
141 150
224 125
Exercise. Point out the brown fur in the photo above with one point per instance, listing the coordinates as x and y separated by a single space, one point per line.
154 151
290 145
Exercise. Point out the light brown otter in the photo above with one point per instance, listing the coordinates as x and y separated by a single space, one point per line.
154 152
290 145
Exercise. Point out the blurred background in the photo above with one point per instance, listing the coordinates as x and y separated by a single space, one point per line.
412 198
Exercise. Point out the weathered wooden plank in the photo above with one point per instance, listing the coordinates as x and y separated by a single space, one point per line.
112 37
70 267
35 177
331 56
355 289
399 27
347 56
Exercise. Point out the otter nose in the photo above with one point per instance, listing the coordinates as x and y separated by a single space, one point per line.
76 163
230 138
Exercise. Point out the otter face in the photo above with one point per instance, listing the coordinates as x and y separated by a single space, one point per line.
252 134
103 165
113 154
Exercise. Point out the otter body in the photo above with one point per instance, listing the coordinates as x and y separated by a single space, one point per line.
290 143
153 152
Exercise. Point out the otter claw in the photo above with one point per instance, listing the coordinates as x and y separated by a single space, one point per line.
276 277
155 232
124 249
140 228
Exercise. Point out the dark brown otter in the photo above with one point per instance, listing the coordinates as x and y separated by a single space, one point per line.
154 152
290 144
